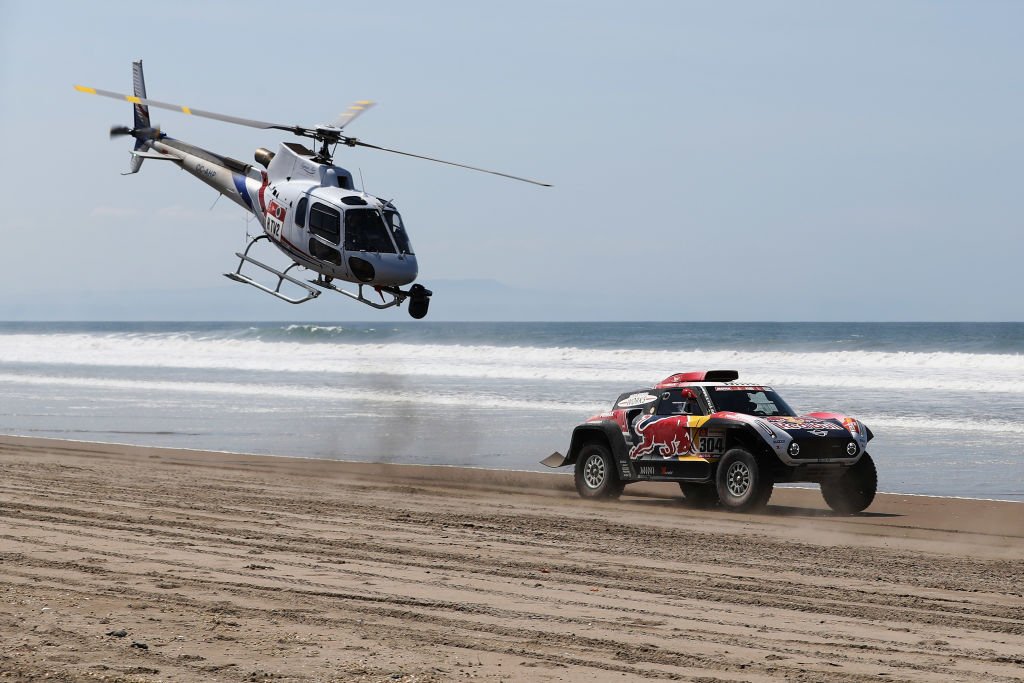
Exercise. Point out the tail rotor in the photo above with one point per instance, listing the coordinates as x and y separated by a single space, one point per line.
142 134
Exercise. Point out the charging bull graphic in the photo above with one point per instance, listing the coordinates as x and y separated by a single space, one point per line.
669 436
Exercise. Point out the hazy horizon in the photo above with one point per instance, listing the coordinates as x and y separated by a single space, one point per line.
710 161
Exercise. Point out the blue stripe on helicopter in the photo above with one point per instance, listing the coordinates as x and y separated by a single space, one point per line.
240 186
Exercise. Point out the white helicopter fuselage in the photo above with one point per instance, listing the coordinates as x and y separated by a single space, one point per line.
308 209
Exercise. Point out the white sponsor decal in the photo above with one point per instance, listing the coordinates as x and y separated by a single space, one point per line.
740 388
713 444
635 400
274 227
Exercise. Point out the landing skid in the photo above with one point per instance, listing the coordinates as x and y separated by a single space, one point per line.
397 295
418 295
282 276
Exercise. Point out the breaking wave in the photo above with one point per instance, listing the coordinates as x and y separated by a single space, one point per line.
301 392
900 370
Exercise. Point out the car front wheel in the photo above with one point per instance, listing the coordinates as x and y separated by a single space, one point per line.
743 484
595 473
854 491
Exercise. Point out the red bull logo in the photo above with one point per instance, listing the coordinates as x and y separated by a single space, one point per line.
667 436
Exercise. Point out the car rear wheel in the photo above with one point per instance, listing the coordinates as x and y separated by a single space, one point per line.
595 473
854 491
743 484
699 495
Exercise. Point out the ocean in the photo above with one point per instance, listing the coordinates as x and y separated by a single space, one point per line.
944 400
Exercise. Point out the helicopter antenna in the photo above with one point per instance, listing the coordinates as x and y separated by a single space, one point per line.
362 182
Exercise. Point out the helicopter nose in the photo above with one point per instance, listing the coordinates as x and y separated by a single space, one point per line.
384 269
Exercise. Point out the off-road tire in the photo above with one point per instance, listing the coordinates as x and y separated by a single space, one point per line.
743 483
854 491
699 495
596 476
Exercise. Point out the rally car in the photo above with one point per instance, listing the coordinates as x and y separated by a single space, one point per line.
725 442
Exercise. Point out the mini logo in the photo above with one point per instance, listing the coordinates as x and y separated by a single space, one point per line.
818 432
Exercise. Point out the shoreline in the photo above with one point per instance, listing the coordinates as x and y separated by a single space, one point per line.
232 567
560 472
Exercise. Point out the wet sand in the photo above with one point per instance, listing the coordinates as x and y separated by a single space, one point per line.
221 567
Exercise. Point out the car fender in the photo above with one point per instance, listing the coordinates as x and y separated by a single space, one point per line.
757 434
606 431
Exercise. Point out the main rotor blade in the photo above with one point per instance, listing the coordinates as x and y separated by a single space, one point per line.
349 115
353 142
252 123
343 120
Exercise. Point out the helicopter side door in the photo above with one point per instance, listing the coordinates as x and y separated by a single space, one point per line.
295 230
324 233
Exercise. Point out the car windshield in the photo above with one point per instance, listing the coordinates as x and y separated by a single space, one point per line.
750 401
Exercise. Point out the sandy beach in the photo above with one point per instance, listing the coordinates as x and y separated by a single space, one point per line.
124 563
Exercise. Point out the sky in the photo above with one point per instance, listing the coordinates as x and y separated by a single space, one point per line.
710 160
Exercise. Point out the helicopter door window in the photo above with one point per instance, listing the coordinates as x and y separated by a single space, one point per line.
326 222
398 232
323 252
300 213
365 231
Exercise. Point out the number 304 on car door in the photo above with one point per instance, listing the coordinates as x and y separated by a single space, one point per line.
712 444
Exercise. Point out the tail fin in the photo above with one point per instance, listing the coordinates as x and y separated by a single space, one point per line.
141 114
141 110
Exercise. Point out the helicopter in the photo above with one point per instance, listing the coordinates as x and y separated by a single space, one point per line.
308 207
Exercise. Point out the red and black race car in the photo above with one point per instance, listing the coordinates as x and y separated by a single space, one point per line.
724 442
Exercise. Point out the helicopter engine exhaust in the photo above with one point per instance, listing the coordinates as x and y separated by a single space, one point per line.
263 157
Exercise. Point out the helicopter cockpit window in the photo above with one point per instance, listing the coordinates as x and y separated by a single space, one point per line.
365 231
398 232
326 222
300 212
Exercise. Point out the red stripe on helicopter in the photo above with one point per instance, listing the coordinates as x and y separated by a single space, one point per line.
263 188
